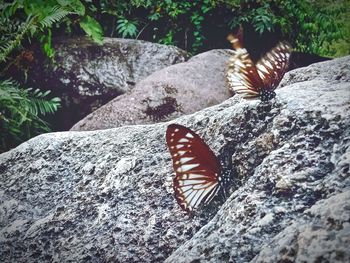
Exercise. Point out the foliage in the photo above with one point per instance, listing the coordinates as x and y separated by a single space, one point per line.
25 21
36 19
312 26
168 22
92 28
12 35
319 27
127 28
19 113
309 25
340 47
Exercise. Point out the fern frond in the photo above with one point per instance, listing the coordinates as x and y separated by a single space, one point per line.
19 112
56 15
6 48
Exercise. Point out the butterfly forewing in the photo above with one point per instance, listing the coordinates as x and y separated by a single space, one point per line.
242 75
237 39
197 168
254 80
272 66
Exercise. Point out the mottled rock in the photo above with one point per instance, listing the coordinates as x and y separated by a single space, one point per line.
166 94
320 235
284 211
332 71
105 196
87 75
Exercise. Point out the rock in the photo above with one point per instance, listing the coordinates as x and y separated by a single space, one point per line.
301 59
105 195
321 231
166 94
332 71
86 75
299 222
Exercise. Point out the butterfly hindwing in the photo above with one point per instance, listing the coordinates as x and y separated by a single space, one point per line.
260 79
242 75
197 169
272 66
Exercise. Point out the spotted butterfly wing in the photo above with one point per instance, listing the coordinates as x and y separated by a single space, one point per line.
272 66
197 169
260 79
242 75
237 39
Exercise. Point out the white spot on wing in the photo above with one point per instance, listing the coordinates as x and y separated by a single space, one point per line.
181 152
186 159
189 135
194 176
262 68
195 200
210 192
187 167
185 188
239 63
183 140
267 63
192 182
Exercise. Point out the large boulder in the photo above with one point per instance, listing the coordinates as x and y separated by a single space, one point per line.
166 94
105 196
87 75
332 71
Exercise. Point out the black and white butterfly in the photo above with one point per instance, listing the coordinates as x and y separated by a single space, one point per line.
257 80
198 171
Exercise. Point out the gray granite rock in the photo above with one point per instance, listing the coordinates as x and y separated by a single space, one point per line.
320 235
115 65
166 94
87 75
294 168
106 196
331 71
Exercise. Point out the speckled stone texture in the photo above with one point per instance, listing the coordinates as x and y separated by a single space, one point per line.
116 65
106 196
176 90
86 75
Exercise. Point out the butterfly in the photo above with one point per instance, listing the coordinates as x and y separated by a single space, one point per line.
198 171
260 79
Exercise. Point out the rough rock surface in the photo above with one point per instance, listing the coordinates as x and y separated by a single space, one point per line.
87 75
166 94
332 71
105 196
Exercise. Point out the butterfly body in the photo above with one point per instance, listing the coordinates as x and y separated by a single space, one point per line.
198 172
253 80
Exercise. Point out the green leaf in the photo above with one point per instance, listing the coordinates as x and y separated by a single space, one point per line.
55 15
19 113
73 5
154 16
127 27
92 28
